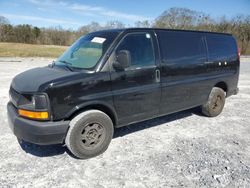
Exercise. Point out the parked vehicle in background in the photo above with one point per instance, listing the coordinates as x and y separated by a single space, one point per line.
113 78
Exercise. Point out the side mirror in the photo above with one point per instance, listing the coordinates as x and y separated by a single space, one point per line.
123 60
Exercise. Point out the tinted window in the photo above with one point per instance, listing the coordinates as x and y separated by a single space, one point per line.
140 47
221 46
178 46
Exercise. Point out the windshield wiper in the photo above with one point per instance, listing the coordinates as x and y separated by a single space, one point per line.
67 64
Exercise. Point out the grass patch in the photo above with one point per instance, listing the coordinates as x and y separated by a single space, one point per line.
30 50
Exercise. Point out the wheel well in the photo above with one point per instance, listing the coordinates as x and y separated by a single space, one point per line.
100 107
222 85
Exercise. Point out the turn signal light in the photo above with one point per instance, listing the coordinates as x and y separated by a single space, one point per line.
33 115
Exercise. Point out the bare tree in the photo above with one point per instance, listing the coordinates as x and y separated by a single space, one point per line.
114 25
181 18
240 27
3 20
93 26
143 24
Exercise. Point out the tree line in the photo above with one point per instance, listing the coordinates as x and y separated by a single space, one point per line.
173 18
50 36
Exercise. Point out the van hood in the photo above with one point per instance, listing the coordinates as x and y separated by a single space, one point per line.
31 80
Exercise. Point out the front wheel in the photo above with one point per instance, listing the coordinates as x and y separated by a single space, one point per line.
215 103
90 134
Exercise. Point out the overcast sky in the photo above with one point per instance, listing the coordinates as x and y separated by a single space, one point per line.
75 13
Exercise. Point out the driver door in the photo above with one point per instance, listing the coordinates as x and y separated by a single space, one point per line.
136 89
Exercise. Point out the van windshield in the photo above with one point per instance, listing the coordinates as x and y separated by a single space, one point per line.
86 52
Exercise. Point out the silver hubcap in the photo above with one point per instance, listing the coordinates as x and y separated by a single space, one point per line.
217 103
92 135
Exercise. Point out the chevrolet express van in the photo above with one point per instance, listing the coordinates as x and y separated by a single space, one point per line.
112 78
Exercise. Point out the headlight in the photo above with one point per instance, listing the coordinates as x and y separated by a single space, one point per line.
40 102
33 102
34 106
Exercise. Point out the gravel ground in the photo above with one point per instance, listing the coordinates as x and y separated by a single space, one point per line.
184 149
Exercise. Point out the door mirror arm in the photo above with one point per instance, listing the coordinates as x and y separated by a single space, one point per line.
117 66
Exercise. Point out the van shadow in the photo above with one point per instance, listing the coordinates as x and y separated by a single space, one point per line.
123 131
59 149
42 150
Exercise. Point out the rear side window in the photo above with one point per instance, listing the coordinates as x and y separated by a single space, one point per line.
140 47
221 46
181 47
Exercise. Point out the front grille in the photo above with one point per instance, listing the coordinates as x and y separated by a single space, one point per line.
14 96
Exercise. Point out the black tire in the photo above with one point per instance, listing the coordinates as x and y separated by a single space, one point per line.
89 134
215 103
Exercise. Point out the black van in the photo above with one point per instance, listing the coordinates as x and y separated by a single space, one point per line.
108 79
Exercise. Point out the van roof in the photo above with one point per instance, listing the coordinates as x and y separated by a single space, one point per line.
164 29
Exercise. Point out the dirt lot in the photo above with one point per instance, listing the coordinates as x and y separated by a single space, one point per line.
182 149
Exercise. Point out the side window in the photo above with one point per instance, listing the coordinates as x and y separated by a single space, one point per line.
221 47
181 47
140 47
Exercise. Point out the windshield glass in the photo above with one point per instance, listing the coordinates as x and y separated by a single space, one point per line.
86 52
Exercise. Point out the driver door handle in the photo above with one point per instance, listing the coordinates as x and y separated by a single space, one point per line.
157 75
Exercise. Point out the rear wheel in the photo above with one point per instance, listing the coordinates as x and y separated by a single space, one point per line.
215 103
89 134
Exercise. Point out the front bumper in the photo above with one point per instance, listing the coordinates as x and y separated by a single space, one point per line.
37 132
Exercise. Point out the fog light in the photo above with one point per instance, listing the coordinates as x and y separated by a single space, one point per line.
33 115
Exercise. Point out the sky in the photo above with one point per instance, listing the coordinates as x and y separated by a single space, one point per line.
71 14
